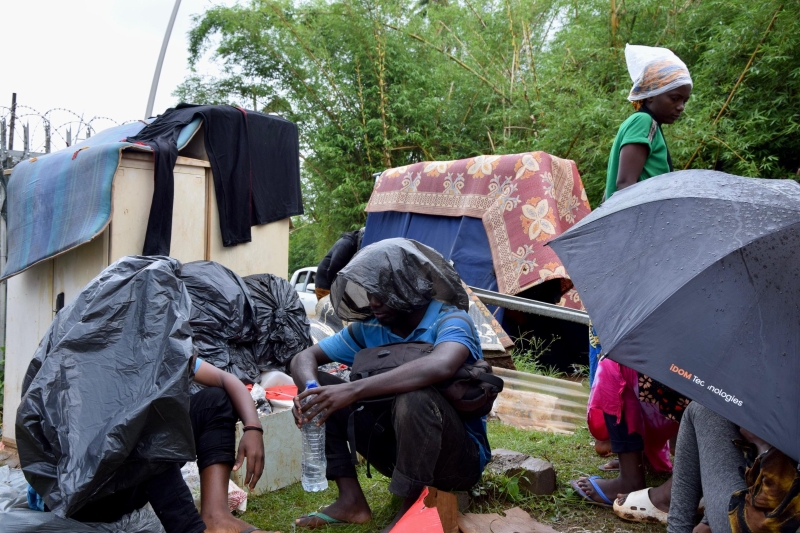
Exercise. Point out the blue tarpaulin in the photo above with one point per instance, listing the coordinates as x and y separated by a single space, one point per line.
59 201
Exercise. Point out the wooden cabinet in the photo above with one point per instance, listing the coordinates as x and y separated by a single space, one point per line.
35 295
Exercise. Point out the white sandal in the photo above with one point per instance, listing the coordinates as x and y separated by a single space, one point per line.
639 508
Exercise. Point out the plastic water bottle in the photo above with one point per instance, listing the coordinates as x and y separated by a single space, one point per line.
314 462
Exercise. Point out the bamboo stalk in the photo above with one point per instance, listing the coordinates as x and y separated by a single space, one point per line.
514 50
738 82
452 58
723 143
469 108
527 36
574 140
614 24
382 89
463 46
326 72
363 114
476 13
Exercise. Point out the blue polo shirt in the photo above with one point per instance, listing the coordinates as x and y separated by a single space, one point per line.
432 329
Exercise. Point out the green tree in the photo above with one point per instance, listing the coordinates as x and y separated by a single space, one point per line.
374 84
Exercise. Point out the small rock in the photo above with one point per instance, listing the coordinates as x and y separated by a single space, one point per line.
536 476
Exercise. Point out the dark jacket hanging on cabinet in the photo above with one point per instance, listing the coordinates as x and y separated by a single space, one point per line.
255 162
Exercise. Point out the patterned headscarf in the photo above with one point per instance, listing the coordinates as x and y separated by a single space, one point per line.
654 71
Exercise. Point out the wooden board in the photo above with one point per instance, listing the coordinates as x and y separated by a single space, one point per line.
73 270
515 521
446 505
133 194
266 253
30 305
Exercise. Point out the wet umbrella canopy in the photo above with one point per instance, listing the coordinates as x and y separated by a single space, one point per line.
693 278
403 273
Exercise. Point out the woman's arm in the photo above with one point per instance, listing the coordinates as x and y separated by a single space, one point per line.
251 444
211 376
631 163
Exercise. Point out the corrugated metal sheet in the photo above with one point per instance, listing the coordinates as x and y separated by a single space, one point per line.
530 401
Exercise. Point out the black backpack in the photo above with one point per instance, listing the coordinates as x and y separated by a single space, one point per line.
471 391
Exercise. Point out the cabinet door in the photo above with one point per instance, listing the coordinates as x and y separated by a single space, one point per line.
73 270
266 253
133 194
30 311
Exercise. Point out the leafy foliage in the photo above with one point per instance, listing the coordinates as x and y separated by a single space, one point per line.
375 84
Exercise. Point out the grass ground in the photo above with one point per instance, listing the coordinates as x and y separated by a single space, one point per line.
572 456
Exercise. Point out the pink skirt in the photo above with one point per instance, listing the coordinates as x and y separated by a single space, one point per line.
615 391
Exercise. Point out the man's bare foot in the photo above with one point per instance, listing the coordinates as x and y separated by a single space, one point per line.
226 524
610 487
347 508
660 496
610 466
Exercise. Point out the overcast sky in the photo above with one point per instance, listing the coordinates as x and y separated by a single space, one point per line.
94 57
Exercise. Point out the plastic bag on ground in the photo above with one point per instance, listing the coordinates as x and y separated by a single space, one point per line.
281 318
403 273
105 400
259 396
142 520
222 318
13 489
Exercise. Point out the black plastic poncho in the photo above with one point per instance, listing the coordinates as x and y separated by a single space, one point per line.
105 400
404 274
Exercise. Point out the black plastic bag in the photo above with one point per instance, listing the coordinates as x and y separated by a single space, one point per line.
105 401
404 274
223 318
221 304
285 329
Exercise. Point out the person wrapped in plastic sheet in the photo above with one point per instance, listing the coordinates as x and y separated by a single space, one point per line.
394 291
106 419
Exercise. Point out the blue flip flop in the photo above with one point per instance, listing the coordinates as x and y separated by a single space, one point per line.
326 520
574 484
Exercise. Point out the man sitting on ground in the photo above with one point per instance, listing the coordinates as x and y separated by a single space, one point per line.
396 290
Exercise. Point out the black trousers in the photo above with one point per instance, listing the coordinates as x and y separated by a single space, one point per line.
418 440
621 440
213 422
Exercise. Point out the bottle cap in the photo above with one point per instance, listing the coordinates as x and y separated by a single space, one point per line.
312 384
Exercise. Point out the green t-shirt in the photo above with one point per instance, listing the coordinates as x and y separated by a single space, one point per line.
640 128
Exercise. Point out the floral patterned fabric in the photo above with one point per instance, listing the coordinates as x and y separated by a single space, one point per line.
670 403
524 201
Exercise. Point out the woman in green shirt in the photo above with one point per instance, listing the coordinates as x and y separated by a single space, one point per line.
661 87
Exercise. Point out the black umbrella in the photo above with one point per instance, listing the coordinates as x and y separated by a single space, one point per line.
693 278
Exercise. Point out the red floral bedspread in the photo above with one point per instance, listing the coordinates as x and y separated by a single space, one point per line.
524 200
